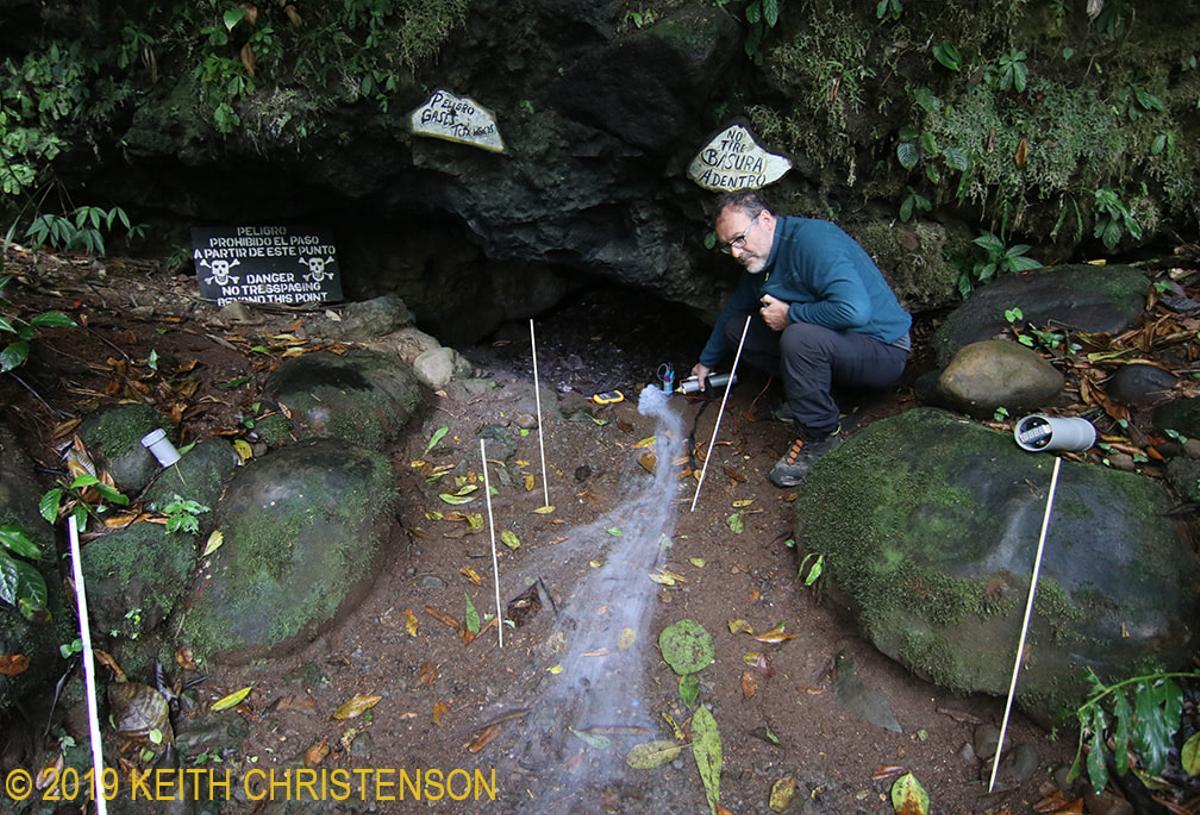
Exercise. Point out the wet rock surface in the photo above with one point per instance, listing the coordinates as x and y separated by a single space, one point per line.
114 439
990 374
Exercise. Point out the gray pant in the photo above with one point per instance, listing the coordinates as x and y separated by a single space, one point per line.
811 360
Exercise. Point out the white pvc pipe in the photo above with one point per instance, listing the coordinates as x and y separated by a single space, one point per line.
721 412
1037 567
89 668
537 395
487 494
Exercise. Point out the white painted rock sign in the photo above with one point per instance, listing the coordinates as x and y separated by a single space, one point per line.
734 160
446 115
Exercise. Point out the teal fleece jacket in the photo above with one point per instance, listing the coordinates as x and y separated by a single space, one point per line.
828 280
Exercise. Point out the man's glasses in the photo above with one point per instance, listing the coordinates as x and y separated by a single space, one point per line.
738 242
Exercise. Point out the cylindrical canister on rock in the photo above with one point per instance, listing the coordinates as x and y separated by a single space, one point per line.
156 442
1039 432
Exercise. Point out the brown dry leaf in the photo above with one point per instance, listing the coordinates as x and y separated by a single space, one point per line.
120 521
105 659
49 774
776 634
485 737
1022 153
316 754
886 771
442 617
596 652
428 673
734 475
471 574
439 710
185 659
723 811
649 462
13 664
749 684
410 622
63 428
1052 803
356 705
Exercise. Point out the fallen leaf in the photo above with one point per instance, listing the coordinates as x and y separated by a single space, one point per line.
14 664
626 640
546 510
347 739
510 539
439 710
442 617
215 540
886 771
698 562
529 481
232 700
316 754
646 442
592 739
742 502
783 792
649 462
355 706
410 622
455 499
485 737
428 673
735 523
652 754
909 797
49 774
738 626
596 652
244 451
776 634
615 531
437 436
749 684
472 575
734 475
555 669
185 660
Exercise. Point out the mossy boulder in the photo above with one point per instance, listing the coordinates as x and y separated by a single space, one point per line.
916 259
200 476
929 525
1180 415
364 397
1103 299
303 529
114 438
136 576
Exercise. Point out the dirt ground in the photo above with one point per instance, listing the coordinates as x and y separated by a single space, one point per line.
446 702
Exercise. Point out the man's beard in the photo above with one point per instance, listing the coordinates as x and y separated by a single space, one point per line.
755 265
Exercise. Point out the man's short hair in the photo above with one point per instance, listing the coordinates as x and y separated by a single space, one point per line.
752 202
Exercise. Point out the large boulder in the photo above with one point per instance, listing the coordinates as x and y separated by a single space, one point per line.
1181 415
114 438
199 475
303 528
365 396
929 525
989 374
1102 299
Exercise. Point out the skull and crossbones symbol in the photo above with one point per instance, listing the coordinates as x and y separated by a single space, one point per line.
317 268
220 271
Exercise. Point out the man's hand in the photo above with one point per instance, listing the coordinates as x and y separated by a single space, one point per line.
701 373
774 312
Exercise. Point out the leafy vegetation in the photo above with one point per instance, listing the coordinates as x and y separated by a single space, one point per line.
21 584
183 515
1112 723
18 334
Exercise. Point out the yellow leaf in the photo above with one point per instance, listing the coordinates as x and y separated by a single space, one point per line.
510 539
471 574
646 442
738 626
742 502
214 542
776 634
782 793
232 700
529 482
439 710
522 462
475 520
410 622
417 464
626 640
356 705
555 669
546 510
244 451
698 562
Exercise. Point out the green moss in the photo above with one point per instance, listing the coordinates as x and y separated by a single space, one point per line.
275 429
309 547
115 431
932 656
140 567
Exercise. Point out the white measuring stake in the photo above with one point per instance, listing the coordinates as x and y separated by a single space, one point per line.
1037 567
487 494
537 394
89 668
721 412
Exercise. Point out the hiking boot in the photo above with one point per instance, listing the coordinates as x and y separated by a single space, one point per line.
782 413
790 470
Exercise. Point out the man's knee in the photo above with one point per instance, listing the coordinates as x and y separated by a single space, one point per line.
806 340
